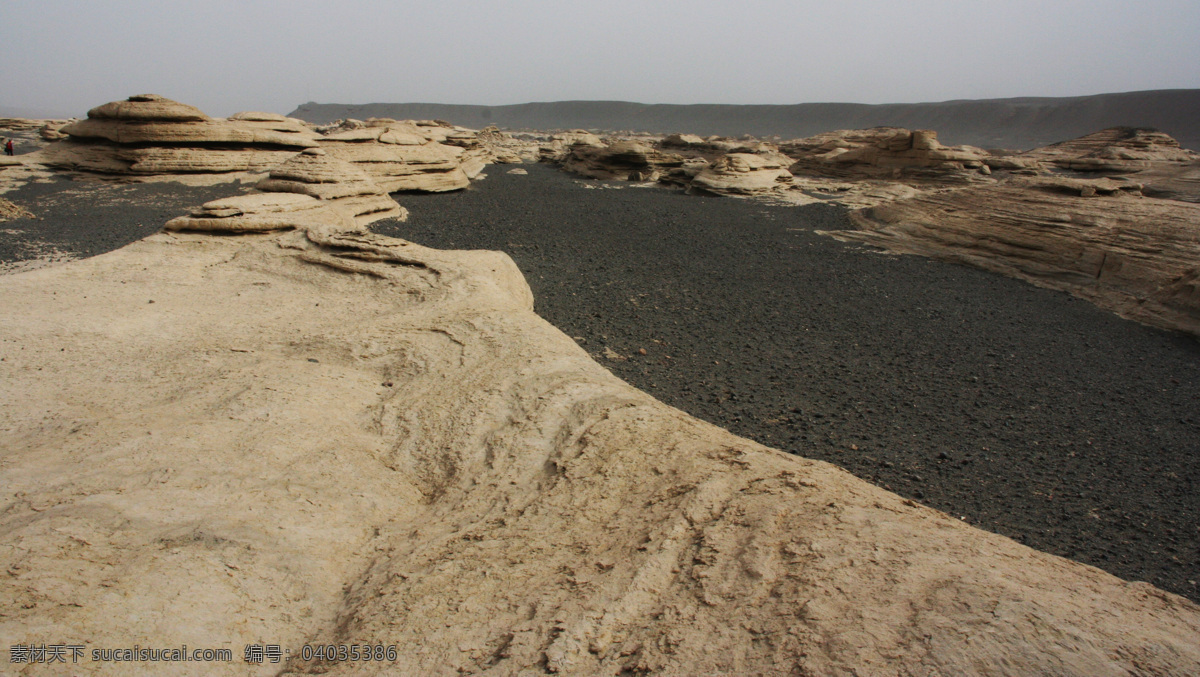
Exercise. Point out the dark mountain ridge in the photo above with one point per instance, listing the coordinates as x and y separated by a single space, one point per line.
1017 123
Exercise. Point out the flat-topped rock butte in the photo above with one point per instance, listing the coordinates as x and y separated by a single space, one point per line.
309 432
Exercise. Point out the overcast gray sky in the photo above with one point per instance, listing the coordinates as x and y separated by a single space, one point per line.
224 56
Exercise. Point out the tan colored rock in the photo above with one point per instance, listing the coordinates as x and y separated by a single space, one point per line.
559 147
1114 150
624 160
884 152
354 440
743 174
264 212
150 135
52 131
320 175
682 141
502 148
110 158
1098 239
248 133
430 167
9 210
149 108
401 156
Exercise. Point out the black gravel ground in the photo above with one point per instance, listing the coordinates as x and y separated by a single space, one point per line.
86 218
1024 411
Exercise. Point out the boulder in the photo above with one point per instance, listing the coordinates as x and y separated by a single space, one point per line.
682 141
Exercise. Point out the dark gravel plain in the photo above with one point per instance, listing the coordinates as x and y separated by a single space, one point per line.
86 218
1024 411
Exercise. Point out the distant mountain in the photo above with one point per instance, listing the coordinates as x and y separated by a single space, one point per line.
32 113
1019 123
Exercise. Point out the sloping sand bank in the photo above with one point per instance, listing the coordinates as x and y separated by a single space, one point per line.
336 438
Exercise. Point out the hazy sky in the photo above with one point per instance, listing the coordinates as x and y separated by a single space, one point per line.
224 56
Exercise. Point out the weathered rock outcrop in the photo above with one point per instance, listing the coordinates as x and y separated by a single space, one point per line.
624 160
317 174
560 145
1099 239
401 156
883 152
500 147
1115 150
262 213
347 439
744 174
149 134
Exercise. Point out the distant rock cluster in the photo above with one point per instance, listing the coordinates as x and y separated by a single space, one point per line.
148 135
340 173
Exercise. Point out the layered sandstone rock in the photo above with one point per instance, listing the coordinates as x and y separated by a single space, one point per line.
353 440
1099 239
744 174
400 156
559 146
149 134
883 152
317 174
502 148
1114 150
263 212
624 160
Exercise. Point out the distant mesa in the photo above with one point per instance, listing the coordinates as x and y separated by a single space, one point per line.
1014 124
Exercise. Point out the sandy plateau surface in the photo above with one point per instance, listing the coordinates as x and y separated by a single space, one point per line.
338 437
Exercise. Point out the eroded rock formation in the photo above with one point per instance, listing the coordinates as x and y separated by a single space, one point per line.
350 439
402 156
1100 239
317 174
263 212
744 174
1115 150
883 152
624 160
149 134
